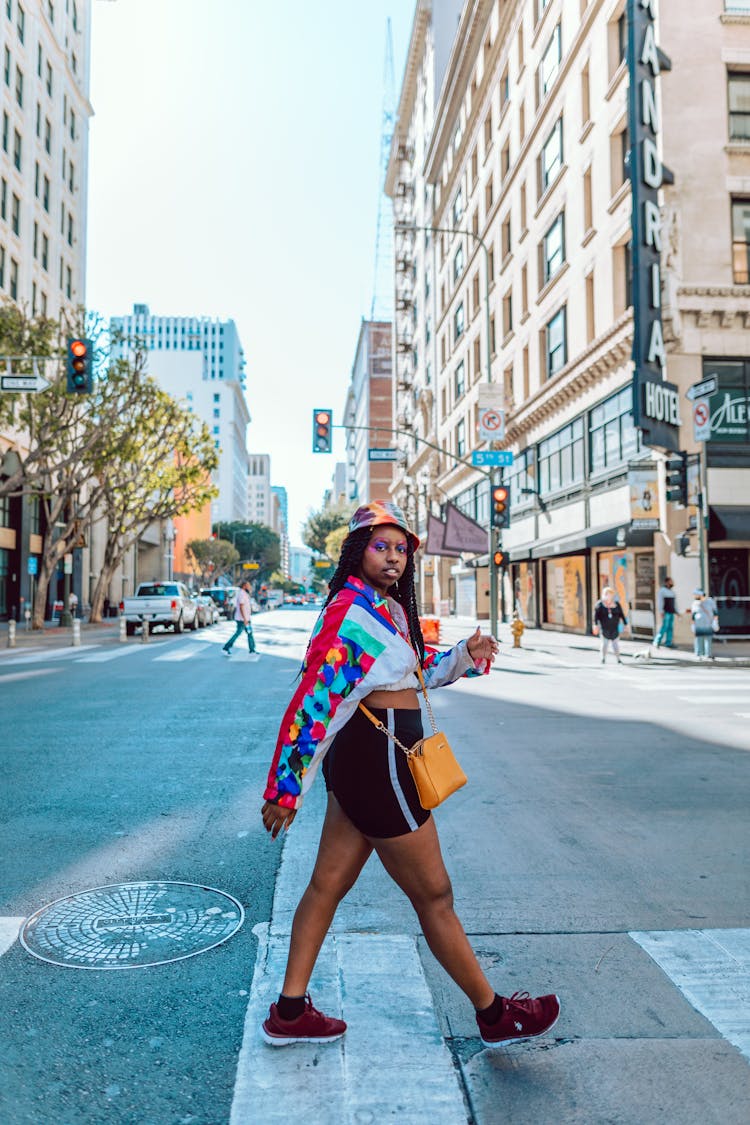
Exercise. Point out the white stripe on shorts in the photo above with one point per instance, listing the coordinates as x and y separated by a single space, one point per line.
400 796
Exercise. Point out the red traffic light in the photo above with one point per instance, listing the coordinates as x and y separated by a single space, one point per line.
499 558
78 347
500 494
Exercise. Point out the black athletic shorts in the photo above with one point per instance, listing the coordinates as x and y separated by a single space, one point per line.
369 775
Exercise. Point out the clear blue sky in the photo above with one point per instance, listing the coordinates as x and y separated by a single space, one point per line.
234 168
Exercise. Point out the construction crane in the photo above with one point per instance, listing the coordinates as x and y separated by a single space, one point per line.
382 285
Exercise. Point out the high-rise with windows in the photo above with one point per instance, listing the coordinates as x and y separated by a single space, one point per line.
201 362
44 155
528 160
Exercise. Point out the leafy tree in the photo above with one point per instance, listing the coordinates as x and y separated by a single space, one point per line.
334 543
319 525
255 543
212 558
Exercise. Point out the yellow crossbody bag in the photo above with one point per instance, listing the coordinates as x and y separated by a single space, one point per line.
431 761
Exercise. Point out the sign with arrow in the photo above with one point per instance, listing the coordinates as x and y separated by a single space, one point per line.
14 383
701 390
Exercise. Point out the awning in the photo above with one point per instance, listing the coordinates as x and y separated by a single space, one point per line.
620 536
730 522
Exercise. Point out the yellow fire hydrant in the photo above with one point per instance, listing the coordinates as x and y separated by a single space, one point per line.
517 627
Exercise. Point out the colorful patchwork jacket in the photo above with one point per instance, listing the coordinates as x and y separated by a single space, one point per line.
354 649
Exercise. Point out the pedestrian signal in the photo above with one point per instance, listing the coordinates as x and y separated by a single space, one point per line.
500 507
677 479
322 424
79 367
500 559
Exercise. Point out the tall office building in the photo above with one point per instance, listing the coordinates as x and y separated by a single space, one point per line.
368 405
200 361
44 157
259 508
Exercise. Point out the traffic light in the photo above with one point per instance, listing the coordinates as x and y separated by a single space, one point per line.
500 506
322 423
500 559
677 482
80 374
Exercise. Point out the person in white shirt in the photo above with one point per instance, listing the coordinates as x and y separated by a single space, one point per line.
242 614
705 623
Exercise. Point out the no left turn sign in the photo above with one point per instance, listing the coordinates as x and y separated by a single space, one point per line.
701 421
491 424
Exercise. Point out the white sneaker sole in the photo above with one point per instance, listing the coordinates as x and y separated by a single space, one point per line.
520 1038
279 1041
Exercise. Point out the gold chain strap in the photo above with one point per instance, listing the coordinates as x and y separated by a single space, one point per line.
384 729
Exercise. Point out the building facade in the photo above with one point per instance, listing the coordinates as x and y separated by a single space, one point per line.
369 405
44 101
201 362
528 163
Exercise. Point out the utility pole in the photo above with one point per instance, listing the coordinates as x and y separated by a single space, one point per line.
494 476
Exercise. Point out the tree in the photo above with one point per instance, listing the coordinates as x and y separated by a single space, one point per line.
255 543
159 466
334 543
319 525
212 557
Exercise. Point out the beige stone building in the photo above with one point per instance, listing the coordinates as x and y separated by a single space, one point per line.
368 405
527 157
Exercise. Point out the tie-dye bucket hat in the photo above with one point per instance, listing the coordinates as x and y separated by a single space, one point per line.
380 512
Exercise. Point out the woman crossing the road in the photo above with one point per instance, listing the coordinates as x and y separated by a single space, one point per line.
365 648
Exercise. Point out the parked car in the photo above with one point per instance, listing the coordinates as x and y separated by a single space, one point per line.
208 611
223 596
160 603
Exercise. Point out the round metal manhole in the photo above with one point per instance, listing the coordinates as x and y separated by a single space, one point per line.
131 925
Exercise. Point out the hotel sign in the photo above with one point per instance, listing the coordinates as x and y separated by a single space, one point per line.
655 403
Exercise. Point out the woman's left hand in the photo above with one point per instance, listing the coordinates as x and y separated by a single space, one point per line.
482 646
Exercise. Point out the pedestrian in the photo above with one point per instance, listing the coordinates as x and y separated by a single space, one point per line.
73 603
242 615
608 620
666 606
705 623
366 647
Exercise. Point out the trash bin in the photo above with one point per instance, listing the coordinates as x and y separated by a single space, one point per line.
430 627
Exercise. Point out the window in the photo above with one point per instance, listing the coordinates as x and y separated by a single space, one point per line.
48 83
508 313
47 135
540 6
459 381
72 125
561 462
4 199
458 323
70 229
505 239
588 203
553 248
552 156
491 262
35 516
2 267
14 279
550 64
524 290
71 176
45 194
521 479
75 16
15 215
612 435
489 195
44 304
45 252
6 67
36 240
461 439
458 207
523 207
51 11
19 86
522 121
458 263
556 344
21 23
741 241
505 159
493 337
6 127
590 309
585 96
68 283
488 133
739 107
622 37
619 144
17 148
475 298
38 120
474 167
39 60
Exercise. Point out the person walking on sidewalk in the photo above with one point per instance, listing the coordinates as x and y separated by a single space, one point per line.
666 606
242 614
366 647
608 619
705 623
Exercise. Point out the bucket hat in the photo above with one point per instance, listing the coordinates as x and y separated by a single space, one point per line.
378 513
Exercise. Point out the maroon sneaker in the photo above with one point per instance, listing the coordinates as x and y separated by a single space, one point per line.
311 1027
523 1018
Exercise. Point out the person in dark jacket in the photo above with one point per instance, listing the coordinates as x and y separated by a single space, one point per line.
608 617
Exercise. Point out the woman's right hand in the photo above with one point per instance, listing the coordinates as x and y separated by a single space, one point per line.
276 817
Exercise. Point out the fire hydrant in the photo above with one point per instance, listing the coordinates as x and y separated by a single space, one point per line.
517 627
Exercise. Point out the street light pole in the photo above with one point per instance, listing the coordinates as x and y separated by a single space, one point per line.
494 476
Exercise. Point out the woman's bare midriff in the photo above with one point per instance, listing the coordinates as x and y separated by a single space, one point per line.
406 700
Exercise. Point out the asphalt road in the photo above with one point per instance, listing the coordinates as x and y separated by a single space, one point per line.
600 846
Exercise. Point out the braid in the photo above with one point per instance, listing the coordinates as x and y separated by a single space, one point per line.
352 552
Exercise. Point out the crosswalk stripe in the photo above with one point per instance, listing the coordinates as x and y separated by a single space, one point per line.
178 654
27 675
701 699
70 653
110 654
9 928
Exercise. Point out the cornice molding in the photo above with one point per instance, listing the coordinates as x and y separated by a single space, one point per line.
417 40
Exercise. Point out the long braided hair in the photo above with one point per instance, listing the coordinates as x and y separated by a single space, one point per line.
350 560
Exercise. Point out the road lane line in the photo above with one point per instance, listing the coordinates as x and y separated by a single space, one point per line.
9 929
712 970
27 675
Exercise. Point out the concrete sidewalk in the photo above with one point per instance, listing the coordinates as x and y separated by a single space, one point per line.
726 652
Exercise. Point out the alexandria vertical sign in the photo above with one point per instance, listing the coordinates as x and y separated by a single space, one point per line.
656 403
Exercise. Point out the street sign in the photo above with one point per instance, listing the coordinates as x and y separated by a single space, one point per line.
491 424
702 390
251 566
32 563
15 383
382 455
493 457
323 562
701 420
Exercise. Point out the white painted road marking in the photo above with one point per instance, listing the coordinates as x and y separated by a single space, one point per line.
109 654
720 700
712 969
9 930
178 654
70 653
27 675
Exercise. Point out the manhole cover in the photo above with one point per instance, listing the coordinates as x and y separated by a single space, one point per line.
131 925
